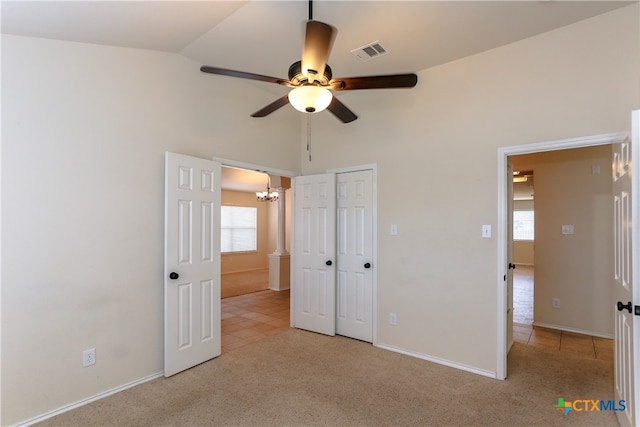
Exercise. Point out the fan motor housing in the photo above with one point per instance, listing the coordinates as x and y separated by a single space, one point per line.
297 78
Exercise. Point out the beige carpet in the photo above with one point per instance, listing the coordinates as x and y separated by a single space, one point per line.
299 378
245 282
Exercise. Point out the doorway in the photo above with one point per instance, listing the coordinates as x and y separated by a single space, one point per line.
251 308
547 314
250 236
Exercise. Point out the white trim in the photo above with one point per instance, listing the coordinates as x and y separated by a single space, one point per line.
503 153
88 400
439 361
575 330
372 166
254 167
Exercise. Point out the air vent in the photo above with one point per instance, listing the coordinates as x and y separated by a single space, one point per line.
370 51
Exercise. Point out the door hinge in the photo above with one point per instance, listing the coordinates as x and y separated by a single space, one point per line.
636 310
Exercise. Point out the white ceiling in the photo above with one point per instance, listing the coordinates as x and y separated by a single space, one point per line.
265 37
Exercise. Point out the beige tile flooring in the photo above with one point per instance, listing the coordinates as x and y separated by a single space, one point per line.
525 332
251 317
567 342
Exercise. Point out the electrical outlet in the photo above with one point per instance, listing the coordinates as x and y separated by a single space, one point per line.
556 303
88 357
393 319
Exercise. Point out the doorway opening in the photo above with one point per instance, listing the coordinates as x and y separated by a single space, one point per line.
251 233
255 295
545 314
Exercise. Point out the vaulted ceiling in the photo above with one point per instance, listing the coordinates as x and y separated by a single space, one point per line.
265 37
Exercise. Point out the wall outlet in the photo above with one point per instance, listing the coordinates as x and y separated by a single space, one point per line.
393 319
556 303
88 357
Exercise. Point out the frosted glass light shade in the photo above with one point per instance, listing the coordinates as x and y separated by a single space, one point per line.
310 99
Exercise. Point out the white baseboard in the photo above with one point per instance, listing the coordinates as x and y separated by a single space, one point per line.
575 330
439 361
83 402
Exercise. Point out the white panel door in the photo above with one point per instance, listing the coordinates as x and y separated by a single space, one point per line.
625 285
313 287
511 265
354 316
192 262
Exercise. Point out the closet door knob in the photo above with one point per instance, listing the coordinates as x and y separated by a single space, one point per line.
173 275
367 265
328 262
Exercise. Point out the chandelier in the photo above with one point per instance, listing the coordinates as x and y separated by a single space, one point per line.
267 196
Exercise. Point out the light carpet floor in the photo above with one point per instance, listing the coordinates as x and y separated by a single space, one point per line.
300 378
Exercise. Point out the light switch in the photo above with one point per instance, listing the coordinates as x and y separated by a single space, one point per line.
567 229
486 231
394 229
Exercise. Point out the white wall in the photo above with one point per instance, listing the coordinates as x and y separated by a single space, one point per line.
436 150
84 131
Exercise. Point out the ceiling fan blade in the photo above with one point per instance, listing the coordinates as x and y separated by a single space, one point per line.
341 111
317 47
244 75
375 82
278 103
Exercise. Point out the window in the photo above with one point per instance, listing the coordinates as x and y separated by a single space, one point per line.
523 225
238 229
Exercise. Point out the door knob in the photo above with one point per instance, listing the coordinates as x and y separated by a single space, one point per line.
622 306
367 265
173 275
328 262
512 266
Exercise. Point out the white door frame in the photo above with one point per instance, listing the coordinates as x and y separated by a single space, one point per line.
503 153
374 239
254 167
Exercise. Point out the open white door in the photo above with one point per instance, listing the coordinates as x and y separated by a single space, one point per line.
625 281
192 262
511 265
313 288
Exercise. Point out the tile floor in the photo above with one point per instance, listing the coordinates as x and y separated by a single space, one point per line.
567 342
525 332
251 317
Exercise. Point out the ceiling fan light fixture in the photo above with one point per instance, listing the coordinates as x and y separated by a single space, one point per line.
310 98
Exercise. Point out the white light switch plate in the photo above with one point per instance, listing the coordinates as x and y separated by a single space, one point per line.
394 229
567 229
486 231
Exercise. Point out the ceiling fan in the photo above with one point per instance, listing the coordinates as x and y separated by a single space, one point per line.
312 80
